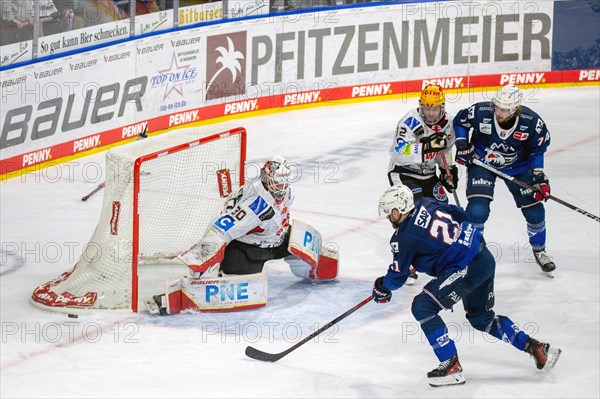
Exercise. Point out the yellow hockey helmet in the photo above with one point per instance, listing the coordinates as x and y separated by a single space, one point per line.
432 104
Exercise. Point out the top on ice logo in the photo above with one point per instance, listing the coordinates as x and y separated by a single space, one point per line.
174 77
225 65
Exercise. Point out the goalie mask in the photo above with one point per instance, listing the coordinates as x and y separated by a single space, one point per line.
275 177
507 105
396 197
432 104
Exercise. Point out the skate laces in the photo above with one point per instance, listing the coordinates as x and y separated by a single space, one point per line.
542 256
446 363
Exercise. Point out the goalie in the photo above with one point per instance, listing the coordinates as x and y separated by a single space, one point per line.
254 227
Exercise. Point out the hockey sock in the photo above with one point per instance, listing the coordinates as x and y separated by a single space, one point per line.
537 235
504 329
437 334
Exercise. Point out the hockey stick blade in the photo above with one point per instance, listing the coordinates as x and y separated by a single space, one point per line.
273 357
263 356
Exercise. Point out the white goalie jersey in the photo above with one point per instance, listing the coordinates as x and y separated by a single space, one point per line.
252 216
407 151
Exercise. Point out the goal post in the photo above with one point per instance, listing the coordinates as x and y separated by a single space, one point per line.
160 196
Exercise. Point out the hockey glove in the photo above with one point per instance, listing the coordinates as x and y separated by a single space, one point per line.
450 183
464 152
380 293
542 185
434 143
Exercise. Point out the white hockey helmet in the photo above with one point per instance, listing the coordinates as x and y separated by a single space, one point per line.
275 176
508 97
396 197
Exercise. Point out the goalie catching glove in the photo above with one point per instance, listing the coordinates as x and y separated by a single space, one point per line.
206 254
450 183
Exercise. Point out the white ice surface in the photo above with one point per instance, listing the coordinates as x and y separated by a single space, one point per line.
376 352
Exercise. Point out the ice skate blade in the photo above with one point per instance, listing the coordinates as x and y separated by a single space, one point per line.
452 379
553 355
151 306
549 274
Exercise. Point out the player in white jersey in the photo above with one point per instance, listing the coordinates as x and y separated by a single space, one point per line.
422 145
424 136
253 228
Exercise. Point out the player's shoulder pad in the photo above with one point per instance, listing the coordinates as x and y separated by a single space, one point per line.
412 121
530 120
234 198
422 215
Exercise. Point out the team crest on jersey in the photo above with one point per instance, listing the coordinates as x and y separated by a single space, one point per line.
485 128
439 193
499 155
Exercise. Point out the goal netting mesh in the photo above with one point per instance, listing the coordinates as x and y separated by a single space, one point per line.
160 195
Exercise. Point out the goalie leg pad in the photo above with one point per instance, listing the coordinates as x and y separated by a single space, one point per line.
325 270
229 293
309 258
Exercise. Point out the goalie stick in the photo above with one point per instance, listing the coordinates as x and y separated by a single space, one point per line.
525 185
273 357
449 175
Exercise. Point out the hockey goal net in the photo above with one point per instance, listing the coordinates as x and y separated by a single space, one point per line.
160 195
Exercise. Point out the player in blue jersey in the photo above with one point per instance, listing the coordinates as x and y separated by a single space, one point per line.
512 138
421 146
437 239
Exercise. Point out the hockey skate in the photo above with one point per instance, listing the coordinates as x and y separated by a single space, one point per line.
155 305
448 372
544 262
544 355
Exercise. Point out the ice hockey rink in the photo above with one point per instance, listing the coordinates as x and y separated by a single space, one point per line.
379 351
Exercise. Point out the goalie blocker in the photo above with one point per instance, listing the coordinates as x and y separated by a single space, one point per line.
308 259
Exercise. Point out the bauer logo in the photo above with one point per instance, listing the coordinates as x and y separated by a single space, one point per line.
225 65
224 182
114 219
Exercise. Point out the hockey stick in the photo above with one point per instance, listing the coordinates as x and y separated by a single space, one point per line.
94 191
525 185
273 357
449 175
